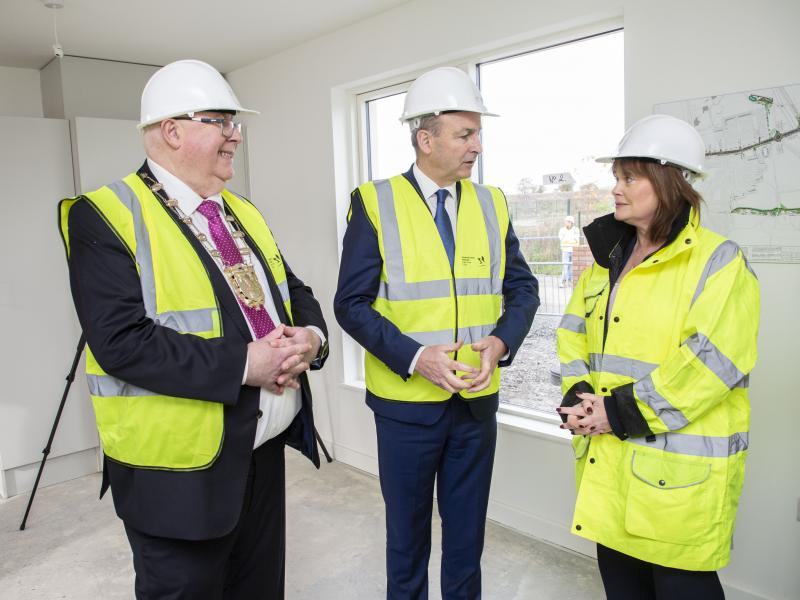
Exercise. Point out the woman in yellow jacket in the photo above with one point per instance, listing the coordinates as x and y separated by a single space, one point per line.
655 348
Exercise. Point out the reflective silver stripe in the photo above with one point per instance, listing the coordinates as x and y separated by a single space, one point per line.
476 286
722 255
619 365
106 386
671 416
468 335
283 288
144 256
744 383
493 233
187 321
576 368
715 360
430 338
439 288
573 323
697 445
472 334
390 232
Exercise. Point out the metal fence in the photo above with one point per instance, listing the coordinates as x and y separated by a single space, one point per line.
558 274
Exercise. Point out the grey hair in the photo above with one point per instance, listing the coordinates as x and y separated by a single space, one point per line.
430 123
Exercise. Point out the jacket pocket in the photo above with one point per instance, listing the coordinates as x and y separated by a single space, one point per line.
591 294
671 500
580 446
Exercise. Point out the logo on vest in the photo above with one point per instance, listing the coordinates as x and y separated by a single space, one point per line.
467 261
275 260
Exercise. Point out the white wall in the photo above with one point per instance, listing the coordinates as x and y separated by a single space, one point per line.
674 50
40 332
20 93
86 87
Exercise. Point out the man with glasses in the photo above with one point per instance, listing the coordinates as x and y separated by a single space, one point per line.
199 336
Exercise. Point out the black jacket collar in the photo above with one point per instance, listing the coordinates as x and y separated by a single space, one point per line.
610 240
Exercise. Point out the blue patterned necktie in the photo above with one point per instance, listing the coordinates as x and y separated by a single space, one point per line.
444 226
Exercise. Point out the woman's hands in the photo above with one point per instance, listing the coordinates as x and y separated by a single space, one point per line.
588 417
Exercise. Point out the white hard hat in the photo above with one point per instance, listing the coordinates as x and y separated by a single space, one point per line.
440 90
186 86
664 138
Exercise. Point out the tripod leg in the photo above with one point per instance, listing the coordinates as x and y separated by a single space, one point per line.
322 445
46 451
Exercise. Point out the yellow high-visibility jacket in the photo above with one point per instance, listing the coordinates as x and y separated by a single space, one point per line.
672 358
139 427
419 292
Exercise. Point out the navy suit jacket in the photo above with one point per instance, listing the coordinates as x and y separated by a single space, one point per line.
359 277
193 505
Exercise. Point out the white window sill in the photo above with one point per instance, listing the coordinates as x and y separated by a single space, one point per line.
525 420
354 385
531 422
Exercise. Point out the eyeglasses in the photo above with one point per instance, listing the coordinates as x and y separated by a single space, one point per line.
226 124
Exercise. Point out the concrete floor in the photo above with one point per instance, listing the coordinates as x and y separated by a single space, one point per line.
75 548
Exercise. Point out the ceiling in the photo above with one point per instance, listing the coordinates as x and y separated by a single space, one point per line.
227 34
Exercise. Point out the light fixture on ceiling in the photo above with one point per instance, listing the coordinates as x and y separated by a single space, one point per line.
58 51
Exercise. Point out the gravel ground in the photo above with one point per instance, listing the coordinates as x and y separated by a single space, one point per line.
527 381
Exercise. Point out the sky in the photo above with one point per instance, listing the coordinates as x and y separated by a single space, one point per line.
559 109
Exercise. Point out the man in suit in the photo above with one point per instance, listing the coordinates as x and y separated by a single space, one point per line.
199 335
433 285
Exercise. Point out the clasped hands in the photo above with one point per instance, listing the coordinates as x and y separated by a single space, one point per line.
587 418
436 364
276 361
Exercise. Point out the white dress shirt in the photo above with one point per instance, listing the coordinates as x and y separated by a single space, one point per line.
278 412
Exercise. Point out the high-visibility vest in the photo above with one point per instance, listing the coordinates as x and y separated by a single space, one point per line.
139 427
419 292
682 331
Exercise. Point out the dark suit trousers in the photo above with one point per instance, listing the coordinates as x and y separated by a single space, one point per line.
246 564
456 452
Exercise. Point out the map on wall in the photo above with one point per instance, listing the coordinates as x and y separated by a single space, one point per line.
752 191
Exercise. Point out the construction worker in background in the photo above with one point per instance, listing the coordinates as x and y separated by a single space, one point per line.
568 237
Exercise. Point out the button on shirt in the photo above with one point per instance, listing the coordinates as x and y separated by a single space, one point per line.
278 412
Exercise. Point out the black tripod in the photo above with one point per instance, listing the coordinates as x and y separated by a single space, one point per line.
46 451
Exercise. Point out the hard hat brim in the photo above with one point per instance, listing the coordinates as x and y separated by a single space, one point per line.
417 115
239 111
664 161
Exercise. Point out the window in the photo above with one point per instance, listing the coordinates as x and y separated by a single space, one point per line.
560 107
388 140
